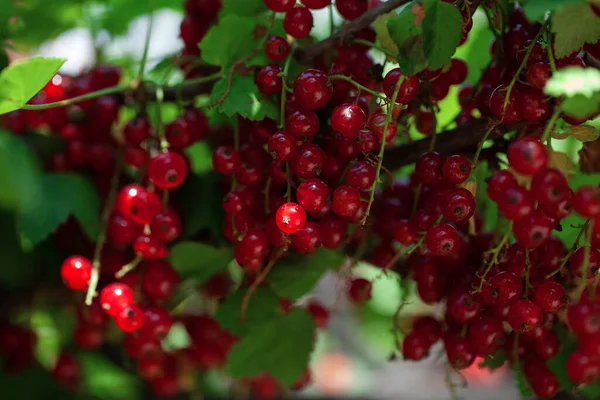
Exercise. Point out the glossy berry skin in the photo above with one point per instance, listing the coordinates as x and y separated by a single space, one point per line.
277 48
308 161
114 297
346 201
524 316
486 335
428 169
517 203
268 80
88 337
462 307
226 160
361 175
67 371
550 186
425 122
532 106
333 231
544 383
377 125
498 183
138 204
159 280
404 233
359 290
130 318
167 170
347 119
316 4
282 146
502 288
457 73
280 5
582 368
303 124
307 239
313 89
415 346
586 201
442 240
508 115
459 205
76 272
538 75
137 131
290 217
298 22
577 261
149 247
313 195
166 226
178 133
551 296
409 88
157 322
460 352
547 346
319 313
533 230
456 169
527 155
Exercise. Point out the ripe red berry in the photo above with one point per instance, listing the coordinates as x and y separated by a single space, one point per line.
442 240
130 318
486 335
159 280
459 205
425 122
459 351
167 170
359 290
462 307
428 169
277 48
524 316
527 155
550 296
307 239
532 106
347 119
456 169
298 22
533 230
377 125
67 371
538 74
333 231
226 160
577 261
280 5
502 288
498 183
178 133
138 204
88 337
166 226
290 217
313 89
313 195
76 272
547 346
582 368
303 124
361 175
351 9
516 203
319 313
268 80
114 297
409 88
308 161
457 72
157 322
137 130
586 201
508 114
316 4
282 146
346 201
415 346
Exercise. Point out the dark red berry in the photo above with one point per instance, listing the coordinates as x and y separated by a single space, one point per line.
415 346
282 146
76 272
280 5
456 169
586 201
409 88
307 239
313 195
459 205
166 226
359 290
298 22
226 160
319 313
524 316
303 124
527 155
486 335
533 230
348 119
459 351
167 170
277 48
159 280
313 89
582 368
130 318
346 201
502 288
268 80
442 240
333 231
361 175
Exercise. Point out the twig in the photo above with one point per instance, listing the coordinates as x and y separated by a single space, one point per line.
260 279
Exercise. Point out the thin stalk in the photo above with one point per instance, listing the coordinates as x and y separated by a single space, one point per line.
375 46
550 124
482 142
358 85
140 75
77 99
286 69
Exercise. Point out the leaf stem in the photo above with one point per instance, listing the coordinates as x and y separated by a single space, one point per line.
482 142
375 46
101 240
286 69
550 124
358 85
388 117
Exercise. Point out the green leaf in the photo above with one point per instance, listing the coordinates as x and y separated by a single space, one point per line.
557 363
522 383
536 9
231 39
61 195
442 31
280 346
574 26
246 8
383 35
199 260
295 276
581 106
242 97
406 31
20 81
19 173
199 200
494 361
20 271
262 307
572 81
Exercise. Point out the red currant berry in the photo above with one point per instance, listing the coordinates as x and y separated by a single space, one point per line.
377 125
76 272
316 4
178 133
167 170
166 226
538 74
298 22
347 119
531 105
508 114
459 205
359 290
303 124
456 169
533 230
114 297
404 233
319 313
137 130
351 9
226 160
290 217
502 288
550 296
486 335
333 231
582 368
409 88
457 73
308 161
547 346
527 155
138 204
159 280
524 316
307 239
586 201
313 89
280 5
442 240
361 175
282 146
149 247
268 80
88 337
67 371
577 261
346 201
460 352
277 48
313 195
425 122
428 169
462 307
130 318
517 203
498 183
157 322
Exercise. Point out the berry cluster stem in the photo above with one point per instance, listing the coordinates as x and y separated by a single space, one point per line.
574 247
358 85
494 253
375 46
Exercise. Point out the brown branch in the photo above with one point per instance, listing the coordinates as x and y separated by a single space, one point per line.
453 141
312 51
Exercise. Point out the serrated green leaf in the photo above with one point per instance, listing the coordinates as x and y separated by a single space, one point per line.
297 275
61 195
243 98
20 81
231 39
199 260
406 30
21 272
572 81
246 8
581 106
442 31
573 27
262 307
20 175
280 346
383 35
536 9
